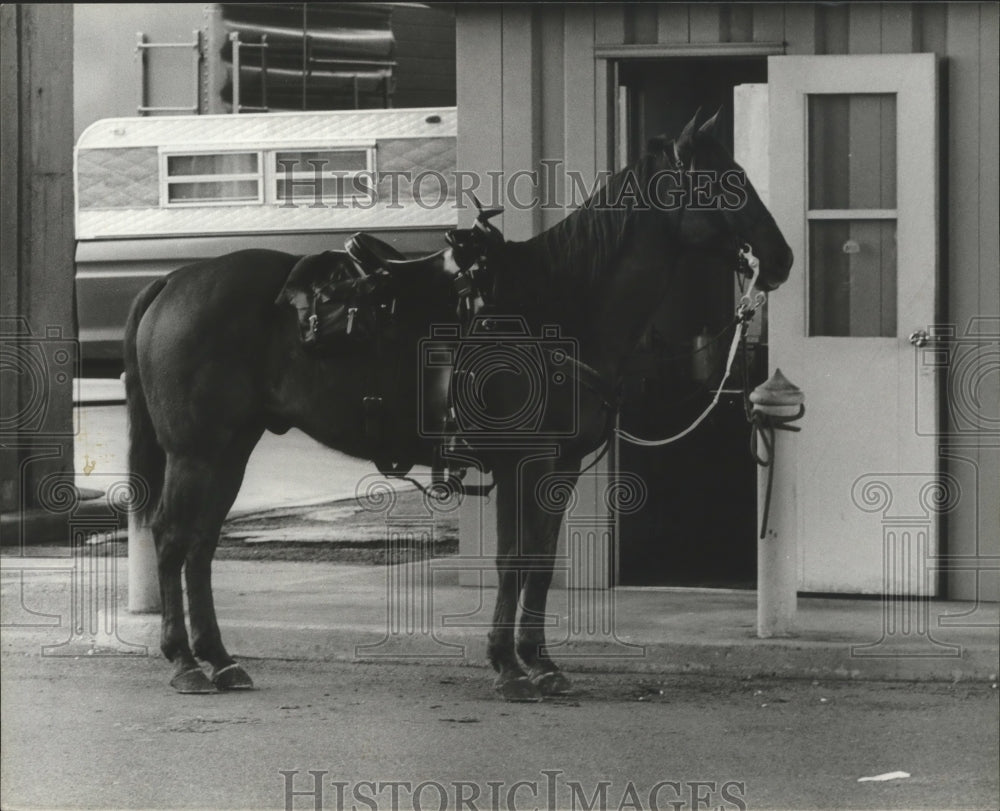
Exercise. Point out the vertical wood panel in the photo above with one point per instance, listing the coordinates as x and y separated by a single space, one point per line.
10 237
800 28
673 24
740 22
578 79
932 27
553 107
899 29
988 534
521 116
608 27
864 28
963 151
962 266
37 272
10 75
644 22
768 22
833 27
989 174
480 100
704 22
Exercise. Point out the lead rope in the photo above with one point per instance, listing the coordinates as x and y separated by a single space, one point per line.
744 314
764 426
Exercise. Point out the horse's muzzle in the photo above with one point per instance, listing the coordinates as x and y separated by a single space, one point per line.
774 274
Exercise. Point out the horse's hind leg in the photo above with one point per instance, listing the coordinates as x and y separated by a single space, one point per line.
172 538
197 496
225 475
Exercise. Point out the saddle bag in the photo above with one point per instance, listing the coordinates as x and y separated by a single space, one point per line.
339 308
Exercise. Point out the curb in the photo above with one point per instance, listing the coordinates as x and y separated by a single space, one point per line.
788 658
40 527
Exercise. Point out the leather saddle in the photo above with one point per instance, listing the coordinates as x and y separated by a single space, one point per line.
371 254
337 305
345 301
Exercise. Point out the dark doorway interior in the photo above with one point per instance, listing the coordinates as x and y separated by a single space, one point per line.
698 526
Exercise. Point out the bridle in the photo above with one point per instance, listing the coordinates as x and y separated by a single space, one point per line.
607 392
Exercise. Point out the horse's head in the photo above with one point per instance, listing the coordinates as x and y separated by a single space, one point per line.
719 201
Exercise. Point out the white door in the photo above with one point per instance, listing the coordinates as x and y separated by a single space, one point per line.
853 186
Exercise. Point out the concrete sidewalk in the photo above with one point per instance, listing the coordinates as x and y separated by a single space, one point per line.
417 612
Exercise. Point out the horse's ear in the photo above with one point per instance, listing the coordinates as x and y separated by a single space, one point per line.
708 128
686 138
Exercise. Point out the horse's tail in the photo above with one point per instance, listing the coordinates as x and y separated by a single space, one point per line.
146 459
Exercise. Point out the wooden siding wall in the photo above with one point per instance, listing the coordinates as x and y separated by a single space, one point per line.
37 327
530 88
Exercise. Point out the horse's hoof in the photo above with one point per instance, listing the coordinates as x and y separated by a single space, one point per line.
552 683
232 677
519 689
192 681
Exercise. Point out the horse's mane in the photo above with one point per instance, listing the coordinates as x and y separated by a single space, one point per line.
586 242
579 249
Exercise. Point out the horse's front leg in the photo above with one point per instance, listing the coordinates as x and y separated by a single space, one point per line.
545 523
512 683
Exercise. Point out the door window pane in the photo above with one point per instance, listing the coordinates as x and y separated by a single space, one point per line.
852 151
852 215
852 278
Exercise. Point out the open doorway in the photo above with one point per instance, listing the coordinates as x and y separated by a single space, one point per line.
698 527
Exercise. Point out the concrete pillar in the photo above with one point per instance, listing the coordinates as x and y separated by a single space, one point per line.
775 403
143 580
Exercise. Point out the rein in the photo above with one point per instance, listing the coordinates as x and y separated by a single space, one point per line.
745 312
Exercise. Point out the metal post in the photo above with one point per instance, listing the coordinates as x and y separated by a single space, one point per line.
305 51
234 38
140 53
306 67
263 71
776 402
196 44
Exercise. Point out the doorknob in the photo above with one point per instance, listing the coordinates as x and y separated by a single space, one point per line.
921 338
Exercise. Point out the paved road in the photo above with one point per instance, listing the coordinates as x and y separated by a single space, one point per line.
107 734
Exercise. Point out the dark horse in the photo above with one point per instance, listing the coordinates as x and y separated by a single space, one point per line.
211 363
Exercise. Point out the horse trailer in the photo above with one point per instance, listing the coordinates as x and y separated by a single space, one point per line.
155 193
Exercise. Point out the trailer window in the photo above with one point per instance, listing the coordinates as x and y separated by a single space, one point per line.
213 178
327 176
